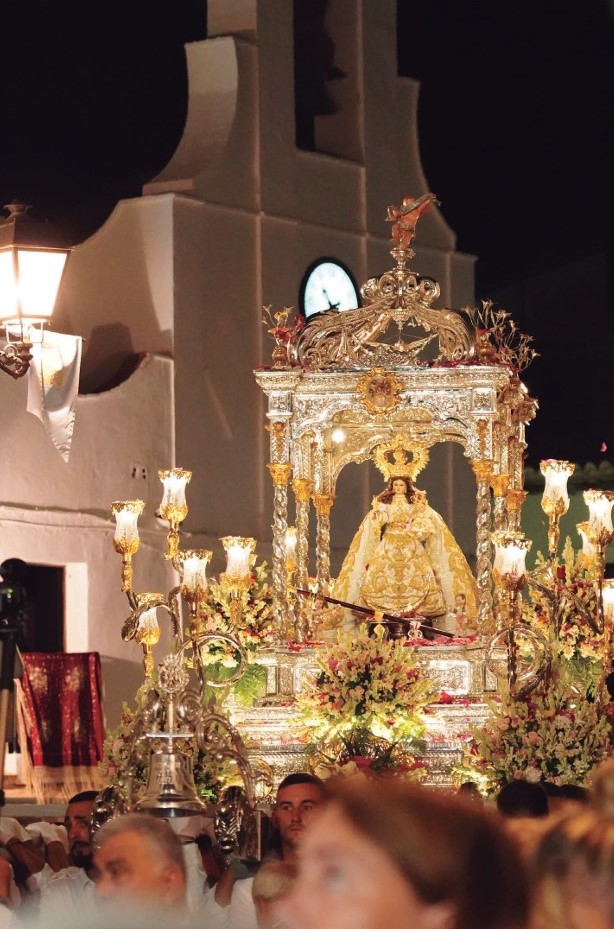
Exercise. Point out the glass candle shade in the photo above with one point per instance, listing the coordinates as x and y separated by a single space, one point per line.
194 582
599 529
510 555
291 542
608 601
174 508
555 499
238 552
588 549
126 539
148 630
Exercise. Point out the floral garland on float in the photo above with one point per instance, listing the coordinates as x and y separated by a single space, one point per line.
578 650
557 729
549 736
555 624
363 711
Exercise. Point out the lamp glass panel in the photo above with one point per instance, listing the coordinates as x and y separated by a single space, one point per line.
40 274
8 290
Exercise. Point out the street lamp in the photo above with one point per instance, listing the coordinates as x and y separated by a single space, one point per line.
31 268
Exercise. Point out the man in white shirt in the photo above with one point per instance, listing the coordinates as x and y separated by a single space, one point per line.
231 905
141 867
65 892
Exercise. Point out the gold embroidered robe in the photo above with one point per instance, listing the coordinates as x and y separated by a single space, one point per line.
404 558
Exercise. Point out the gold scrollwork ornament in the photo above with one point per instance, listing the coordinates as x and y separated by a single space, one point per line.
379 390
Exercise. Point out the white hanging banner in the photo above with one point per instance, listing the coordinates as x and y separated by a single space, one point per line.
53 384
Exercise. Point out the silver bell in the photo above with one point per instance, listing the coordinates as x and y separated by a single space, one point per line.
170 790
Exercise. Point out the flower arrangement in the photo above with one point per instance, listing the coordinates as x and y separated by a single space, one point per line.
497 339
121 756
116 751
284 331
369 682
549 735
578 651
257 625
359 753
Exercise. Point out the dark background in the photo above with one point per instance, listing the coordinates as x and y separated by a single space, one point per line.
515 131
516 135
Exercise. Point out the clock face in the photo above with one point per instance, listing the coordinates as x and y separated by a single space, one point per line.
327 285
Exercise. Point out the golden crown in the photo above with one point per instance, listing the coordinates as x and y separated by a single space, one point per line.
392 458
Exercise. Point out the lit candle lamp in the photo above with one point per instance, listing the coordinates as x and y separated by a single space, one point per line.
194 582
126 539
509 573
236 577
555 499
147 635
510 557
174 508
608 600
238 552
600 529
291 543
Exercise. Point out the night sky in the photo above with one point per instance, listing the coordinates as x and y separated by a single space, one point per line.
515 128
93 101
516 124
516 131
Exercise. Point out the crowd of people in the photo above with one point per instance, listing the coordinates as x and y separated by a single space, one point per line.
351 852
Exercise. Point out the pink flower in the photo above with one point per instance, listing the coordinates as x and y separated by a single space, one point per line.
363 763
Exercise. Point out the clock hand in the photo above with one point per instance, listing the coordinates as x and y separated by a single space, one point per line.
332 306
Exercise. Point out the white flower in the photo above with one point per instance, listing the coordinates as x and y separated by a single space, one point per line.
532 775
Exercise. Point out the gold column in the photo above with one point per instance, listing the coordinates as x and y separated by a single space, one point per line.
499 484
483 473
515 457
280 474
323 504
302 487
515 498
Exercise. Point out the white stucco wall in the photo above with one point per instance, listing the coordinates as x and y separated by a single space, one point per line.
58 514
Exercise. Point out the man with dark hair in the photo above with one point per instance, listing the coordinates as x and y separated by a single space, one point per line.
77 823
560 797
521 798
298 797
231 906
72 886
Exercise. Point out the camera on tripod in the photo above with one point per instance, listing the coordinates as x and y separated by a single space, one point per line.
13 597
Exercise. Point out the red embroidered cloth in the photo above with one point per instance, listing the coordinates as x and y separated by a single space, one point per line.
60 718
